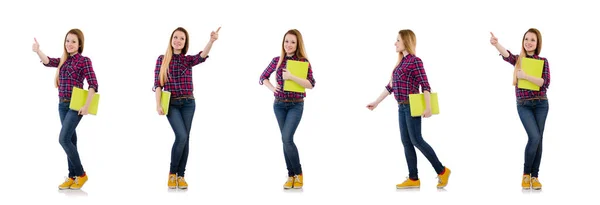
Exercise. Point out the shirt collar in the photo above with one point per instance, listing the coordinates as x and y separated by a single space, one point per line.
290 57
77 55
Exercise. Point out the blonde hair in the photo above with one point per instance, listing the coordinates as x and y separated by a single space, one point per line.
523 54
300 52
65 55
164 67
409 39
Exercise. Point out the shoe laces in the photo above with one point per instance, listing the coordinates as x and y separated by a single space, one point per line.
76 180
296 179
291 179
407 180
181 179
534 179
67 179
172 178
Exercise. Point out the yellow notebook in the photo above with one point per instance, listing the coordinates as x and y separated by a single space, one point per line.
532 67
79 98
298 69
165 99
417 104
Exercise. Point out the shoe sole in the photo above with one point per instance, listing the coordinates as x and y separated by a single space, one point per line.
408 187
183 187
59 188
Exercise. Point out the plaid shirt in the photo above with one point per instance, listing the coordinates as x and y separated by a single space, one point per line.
279 76
407 77
72 73
179 81
523 93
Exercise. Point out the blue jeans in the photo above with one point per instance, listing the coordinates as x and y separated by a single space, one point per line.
181 113
533 116
69 119
410 134
288 116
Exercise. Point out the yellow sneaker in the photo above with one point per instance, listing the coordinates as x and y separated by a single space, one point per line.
526 184
289 183
443 178
181 183
409 183
67 184
172 183
298 182
535 183
79 181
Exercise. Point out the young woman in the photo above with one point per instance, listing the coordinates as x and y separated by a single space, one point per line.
532 106
73 68
288 106
173 73
408 75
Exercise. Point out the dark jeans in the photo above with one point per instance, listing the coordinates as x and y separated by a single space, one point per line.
181 113
288 116
410 133
533 116
67 138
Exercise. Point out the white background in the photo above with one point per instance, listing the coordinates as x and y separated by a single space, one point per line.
349 154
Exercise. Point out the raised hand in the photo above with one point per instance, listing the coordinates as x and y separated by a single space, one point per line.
493 39
214 35
36 46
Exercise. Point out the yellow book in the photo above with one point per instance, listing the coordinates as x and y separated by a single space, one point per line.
298 69
532 67
79 98
165 99
417 104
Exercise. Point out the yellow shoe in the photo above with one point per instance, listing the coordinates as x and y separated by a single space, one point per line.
289 183
409 183
79 181
298 181
172 181
443 178
526 184
67 184
535 183
181 183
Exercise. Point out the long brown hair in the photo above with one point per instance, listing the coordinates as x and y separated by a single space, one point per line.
300 52
65 55
164 67
523 53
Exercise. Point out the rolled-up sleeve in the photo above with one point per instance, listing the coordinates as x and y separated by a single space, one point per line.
512 59
546 74
53 62
266 74
421 76
157 73
90 75
194 60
